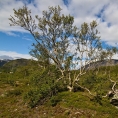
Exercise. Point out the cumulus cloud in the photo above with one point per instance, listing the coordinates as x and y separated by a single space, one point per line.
36 6
105 13
6 9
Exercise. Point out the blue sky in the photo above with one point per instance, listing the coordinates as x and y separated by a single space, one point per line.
20 43
16 42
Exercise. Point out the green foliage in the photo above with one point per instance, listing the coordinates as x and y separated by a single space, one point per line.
11 82
14 92
35 86
32 97
52 39
39 89
81 100
39 95
54 100
97 99
96 81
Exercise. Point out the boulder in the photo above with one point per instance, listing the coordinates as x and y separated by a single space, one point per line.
114 99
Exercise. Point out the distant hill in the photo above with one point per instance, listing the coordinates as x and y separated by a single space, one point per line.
102 63
2 62
4 59
11 65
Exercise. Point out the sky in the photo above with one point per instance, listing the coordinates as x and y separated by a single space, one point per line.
16 42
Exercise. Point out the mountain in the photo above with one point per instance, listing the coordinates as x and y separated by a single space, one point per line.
2 62
11 65
102 63
5 57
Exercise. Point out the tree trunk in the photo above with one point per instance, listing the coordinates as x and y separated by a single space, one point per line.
70 88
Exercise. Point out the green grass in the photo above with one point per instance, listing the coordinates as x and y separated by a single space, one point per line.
30 92
81 101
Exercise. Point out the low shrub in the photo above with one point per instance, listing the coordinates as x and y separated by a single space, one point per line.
97 99
54 100
14 92
38 95
32 97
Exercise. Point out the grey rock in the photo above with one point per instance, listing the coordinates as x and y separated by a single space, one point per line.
114 99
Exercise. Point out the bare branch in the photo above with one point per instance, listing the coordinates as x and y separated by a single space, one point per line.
113 87
86 89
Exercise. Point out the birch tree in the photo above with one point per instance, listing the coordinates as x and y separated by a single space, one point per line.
54 35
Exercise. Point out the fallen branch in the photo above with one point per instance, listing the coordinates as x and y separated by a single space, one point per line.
86 90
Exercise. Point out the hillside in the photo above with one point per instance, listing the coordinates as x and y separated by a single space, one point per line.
13 65
31 92
113 62
2 62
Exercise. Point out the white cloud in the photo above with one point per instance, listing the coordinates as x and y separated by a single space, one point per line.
12 34
15 54
82 10
88 10
6 9
112 44
26 38
115 56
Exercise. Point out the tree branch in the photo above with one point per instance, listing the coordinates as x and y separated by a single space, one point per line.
86 89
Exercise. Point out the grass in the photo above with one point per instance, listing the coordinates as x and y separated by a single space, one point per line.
29 82
75 104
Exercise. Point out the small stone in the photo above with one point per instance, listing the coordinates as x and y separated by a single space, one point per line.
78 113
67 112
114 100
15 110
3 95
